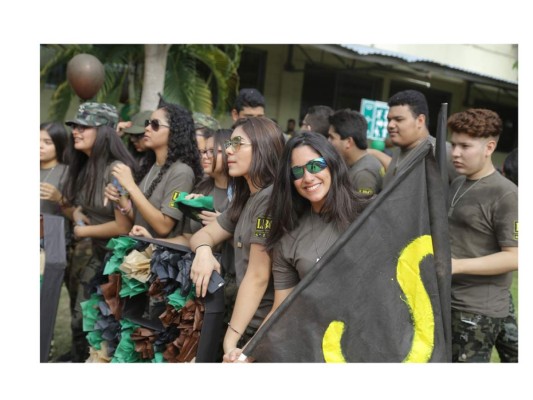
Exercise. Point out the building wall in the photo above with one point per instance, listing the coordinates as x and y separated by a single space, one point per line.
491 59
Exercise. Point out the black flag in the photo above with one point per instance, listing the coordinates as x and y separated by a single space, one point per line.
382 292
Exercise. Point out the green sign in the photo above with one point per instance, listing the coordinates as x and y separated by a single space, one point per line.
375 113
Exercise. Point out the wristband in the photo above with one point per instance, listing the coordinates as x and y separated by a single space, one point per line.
203 244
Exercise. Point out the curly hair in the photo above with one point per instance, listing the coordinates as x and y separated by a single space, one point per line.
182 144
476 123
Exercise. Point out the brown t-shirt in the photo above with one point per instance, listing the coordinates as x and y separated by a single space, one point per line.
178 178
482 221
252 227
94 208
366 175
299 250
55 176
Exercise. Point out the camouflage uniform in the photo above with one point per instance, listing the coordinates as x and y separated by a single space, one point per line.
474 336
204 121
86 257
95 114
507 340
471 344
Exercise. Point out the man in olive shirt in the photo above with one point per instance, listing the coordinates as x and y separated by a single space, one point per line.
483 226
347 133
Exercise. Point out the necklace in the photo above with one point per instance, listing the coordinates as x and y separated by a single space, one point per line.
48 174
318 257
148 178
454 202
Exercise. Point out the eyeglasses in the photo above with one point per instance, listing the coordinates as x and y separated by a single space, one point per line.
235 142
154 124
313 167
79 128
209 152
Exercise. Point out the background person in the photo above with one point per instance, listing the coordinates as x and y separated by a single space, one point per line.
483 228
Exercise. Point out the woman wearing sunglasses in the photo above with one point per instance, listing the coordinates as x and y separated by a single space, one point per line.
311 206
94 150
253 154
174 167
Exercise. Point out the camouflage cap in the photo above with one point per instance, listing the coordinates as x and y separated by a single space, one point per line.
137 121
95 114
204 121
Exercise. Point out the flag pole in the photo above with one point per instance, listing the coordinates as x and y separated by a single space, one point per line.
440 151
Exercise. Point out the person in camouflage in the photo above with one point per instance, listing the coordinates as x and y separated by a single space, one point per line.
95 148
483 228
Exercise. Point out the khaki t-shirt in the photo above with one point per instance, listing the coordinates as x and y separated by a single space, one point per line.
299 250
483 220
252 227
366 175
178 178
94 208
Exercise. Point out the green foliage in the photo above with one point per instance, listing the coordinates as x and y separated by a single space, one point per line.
201 78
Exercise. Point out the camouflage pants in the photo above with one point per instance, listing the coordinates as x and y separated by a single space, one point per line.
473 336
80 346
507 340
79 255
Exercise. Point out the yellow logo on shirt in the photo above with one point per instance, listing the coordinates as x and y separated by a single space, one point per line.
262 227
175 196
516 230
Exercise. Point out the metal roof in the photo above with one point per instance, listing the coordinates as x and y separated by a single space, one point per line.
388 57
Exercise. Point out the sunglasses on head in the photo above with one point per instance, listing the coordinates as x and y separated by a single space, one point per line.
313 167
154 124
235 142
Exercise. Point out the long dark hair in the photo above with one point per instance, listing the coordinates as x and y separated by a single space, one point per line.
207 184
85 173
182 144
60 137
267 142
286 206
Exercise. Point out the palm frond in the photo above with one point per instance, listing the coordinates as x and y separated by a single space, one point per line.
60 103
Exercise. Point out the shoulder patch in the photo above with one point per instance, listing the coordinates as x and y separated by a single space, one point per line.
368 191
175 196
262 227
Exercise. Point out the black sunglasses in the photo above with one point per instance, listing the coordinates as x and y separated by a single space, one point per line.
313 166
154 124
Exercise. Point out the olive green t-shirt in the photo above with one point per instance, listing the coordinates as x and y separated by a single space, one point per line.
483 220
366 175
94 208
299 250
179 177
252 227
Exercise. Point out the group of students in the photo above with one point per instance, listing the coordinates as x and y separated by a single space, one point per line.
280 204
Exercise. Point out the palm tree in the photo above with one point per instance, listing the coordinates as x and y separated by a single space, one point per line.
199 77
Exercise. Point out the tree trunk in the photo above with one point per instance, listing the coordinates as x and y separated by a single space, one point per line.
155 65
